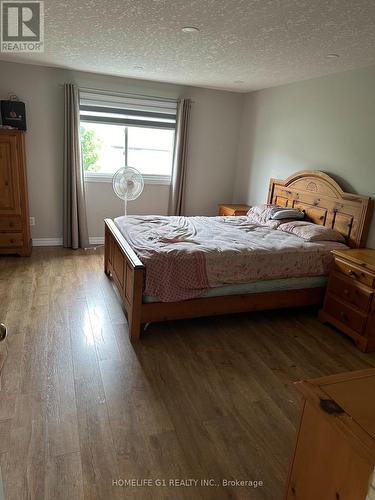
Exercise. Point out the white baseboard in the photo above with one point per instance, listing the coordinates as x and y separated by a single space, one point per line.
47 242
57 242
96 240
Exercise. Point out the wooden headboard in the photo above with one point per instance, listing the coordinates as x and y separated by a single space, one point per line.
324 202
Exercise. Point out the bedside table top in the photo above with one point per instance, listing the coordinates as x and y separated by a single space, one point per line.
360 256
235 206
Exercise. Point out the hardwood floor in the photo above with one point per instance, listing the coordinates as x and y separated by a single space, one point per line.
198 399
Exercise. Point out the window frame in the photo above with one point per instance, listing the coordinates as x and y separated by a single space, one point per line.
128 122
163 180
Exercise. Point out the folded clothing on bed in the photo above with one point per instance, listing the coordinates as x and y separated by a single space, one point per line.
185 256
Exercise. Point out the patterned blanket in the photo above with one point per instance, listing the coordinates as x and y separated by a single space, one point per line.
185 256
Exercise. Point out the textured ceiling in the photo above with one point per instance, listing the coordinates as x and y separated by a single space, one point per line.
242 44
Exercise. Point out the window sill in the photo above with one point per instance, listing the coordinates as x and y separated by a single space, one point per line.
162 180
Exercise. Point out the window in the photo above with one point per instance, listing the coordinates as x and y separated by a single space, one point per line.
112 137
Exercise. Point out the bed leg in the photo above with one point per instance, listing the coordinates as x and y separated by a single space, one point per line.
134 329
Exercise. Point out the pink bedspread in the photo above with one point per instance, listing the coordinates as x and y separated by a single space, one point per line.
184 256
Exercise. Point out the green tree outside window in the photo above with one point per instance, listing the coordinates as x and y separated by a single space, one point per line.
90 146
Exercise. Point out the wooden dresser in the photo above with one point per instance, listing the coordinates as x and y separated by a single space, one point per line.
334 457
233 209
349 303
14 205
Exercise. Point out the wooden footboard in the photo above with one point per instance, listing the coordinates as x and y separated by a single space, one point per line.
126 270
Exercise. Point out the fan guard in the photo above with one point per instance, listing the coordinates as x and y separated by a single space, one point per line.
128 183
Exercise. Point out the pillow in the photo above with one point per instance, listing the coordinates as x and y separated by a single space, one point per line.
311 232
263 215
260 214
287 213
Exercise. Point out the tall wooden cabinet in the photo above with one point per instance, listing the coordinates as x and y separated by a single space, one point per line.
14 205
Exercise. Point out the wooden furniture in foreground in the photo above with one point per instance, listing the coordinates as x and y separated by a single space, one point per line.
233 209
14 205
349 304
334 456
315 192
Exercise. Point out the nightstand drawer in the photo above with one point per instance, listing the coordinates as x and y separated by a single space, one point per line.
345 314
350 291
356 273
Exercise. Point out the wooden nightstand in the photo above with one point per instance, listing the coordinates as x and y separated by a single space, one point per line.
349 303
233 209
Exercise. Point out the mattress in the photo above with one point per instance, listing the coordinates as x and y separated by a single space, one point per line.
185 257
258 287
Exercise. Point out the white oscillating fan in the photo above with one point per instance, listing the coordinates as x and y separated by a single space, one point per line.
128 184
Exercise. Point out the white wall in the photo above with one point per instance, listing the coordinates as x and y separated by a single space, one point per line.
215 119
326 124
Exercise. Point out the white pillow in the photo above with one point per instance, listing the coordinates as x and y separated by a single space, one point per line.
260 214
311 232
287 213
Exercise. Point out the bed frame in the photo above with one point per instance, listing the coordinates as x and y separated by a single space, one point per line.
323 201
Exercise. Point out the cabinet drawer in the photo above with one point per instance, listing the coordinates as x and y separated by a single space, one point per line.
10 240
356 273
350 291
10 224
345 314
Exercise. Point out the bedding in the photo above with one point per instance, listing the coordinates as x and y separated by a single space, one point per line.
261 214
311 232
185 256
273 215
257 287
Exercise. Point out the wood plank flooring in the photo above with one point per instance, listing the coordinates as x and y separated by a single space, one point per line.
208 398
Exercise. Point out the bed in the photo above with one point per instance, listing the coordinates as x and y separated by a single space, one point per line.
147 298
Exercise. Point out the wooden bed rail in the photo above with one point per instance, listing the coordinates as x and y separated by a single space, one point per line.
126 270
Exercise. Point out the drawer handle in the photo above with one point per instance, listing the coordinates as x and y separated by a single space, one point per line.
331 407
3 332
346 291
343 316
352 273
